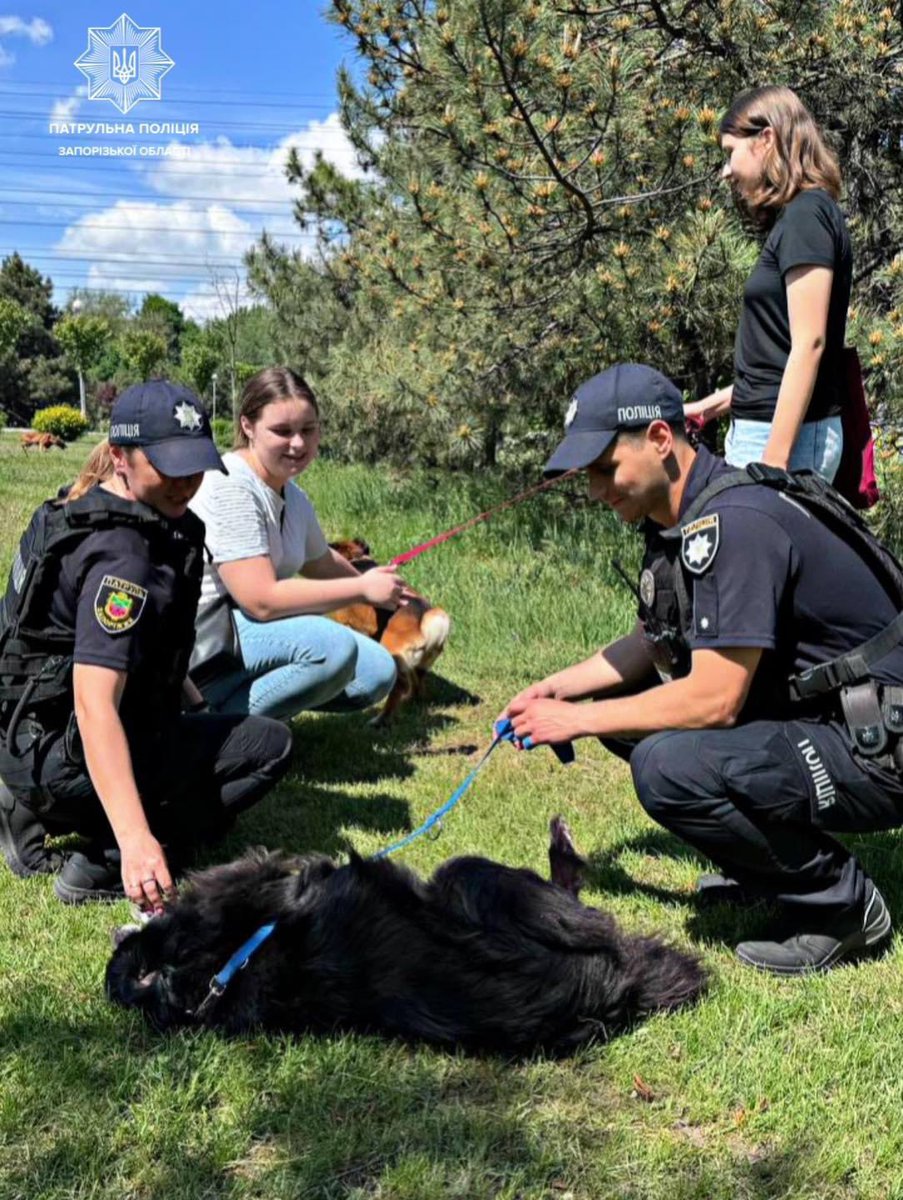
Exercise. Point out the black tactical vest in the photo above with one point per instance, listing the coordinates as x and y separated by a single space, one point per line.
36 656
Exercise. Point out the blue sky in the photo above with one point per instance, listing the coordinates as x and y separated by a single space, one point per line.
255 77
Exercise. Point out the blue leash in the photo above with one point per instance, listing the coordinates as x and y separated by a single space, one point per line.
504 732
435 821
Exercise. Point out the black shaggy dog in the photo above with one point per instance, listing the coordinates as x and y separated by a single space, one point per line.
481 956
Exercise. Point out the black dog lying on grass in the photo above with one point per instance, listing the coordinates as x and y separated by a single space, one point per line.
482 956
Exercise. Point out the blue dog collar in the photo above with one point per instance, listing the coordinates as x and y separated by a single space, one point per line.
236 963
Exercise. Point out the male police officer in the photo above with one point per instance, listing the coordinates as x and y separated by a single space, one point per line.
754 709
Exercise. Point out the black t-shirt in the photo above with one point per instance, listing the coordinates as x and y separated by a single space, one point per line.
769 573
127 595
809 231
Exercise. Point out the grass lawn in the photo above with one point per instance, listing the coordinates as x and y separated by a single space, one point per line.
767 1089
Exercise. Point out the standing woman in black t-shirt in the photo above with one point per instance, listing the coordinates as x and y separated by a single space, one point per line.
787 392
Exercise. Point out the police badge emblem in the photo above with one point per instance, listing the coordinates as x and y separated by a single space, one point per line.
699 543
187 416
118 604
647 588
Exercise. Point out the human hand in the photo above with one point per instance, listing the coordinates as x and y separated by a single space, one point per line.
145 873
545 722
517 704
383 586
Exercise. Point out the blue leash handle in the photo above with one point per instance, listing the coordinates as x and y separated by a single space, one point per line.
563 750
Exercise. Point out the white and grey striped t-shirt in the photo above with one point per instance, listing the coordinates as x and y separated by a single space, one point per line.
245 518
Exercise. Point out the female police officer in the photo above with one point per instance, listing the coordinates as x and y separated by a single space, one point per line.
95 632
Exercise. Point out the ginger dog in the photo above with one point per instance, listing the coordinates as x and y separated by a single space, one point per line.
44 440
415 634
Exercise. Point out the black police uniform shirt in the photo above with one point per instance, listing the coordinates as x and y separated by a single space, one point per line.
769 574
132 608
809 231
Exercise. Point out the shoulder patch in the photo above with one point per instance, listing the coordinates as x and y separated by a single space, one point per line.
118 604
699 543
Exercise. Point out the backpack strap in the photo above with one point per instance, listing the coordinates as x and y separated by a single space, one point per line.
818 497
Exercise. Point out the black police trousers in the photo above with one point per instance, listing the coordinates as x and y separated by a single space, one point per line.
194 774
760 801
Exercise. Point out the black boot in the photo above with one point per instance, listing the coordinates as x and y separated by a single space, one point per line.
94 873
858 936
22 839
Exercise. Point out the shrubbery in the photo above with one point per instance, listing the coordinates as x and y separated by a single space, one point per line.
60 419
223 432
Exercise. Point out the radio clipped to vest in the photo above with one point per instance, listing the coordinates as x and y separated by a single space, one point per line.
668 650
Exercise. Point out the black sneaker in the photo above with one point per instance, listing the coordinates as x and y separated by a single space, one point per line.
720 889
22 839
94 873
808 952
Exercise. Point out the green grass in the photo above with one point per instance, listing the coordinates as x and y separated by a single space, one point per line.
767 1089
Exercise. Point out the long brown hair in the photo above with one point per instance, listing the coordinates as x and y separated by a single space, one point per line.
798 158
266 387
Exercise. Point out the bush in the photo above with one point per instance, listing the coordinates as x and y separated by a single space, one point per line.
223 432
61 419
3 419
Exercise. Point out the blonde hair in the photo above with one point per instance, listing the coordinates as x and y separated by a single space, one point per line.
798 157
98 469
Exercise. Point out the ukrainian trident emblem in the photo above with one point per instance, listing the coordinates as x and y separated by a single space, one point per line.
124 63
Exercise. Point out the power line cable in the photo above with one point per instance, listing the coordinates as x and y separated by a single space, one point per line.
154 229
173 91
325 104
42 197
47 118
169 160
112 257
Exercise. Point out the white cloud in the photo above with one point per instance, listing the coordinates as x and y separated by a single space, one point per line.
37 31
206 303
244 176
181 236
65 110
189 233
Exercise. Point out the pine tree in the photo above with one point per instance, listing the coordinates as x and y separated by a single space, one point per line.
543 200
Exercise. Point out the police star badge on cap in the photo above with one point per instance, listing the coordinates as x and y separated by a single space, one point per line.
187 416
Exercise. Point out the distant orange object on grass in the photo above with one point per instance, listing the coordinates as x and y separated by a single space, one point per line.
43 440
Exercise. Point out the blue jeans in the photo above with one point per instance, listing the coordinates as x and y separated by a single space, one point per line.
302 662
818 447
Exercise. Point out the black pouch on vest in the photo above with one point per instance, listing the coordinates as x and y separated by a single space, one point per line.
892 708
864 718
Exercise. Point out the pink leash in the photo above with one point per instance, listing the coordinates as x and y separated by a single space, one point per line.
483 516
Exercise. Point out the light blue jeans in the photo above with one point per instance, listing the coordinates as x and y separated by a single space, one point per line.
299 663
818 447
